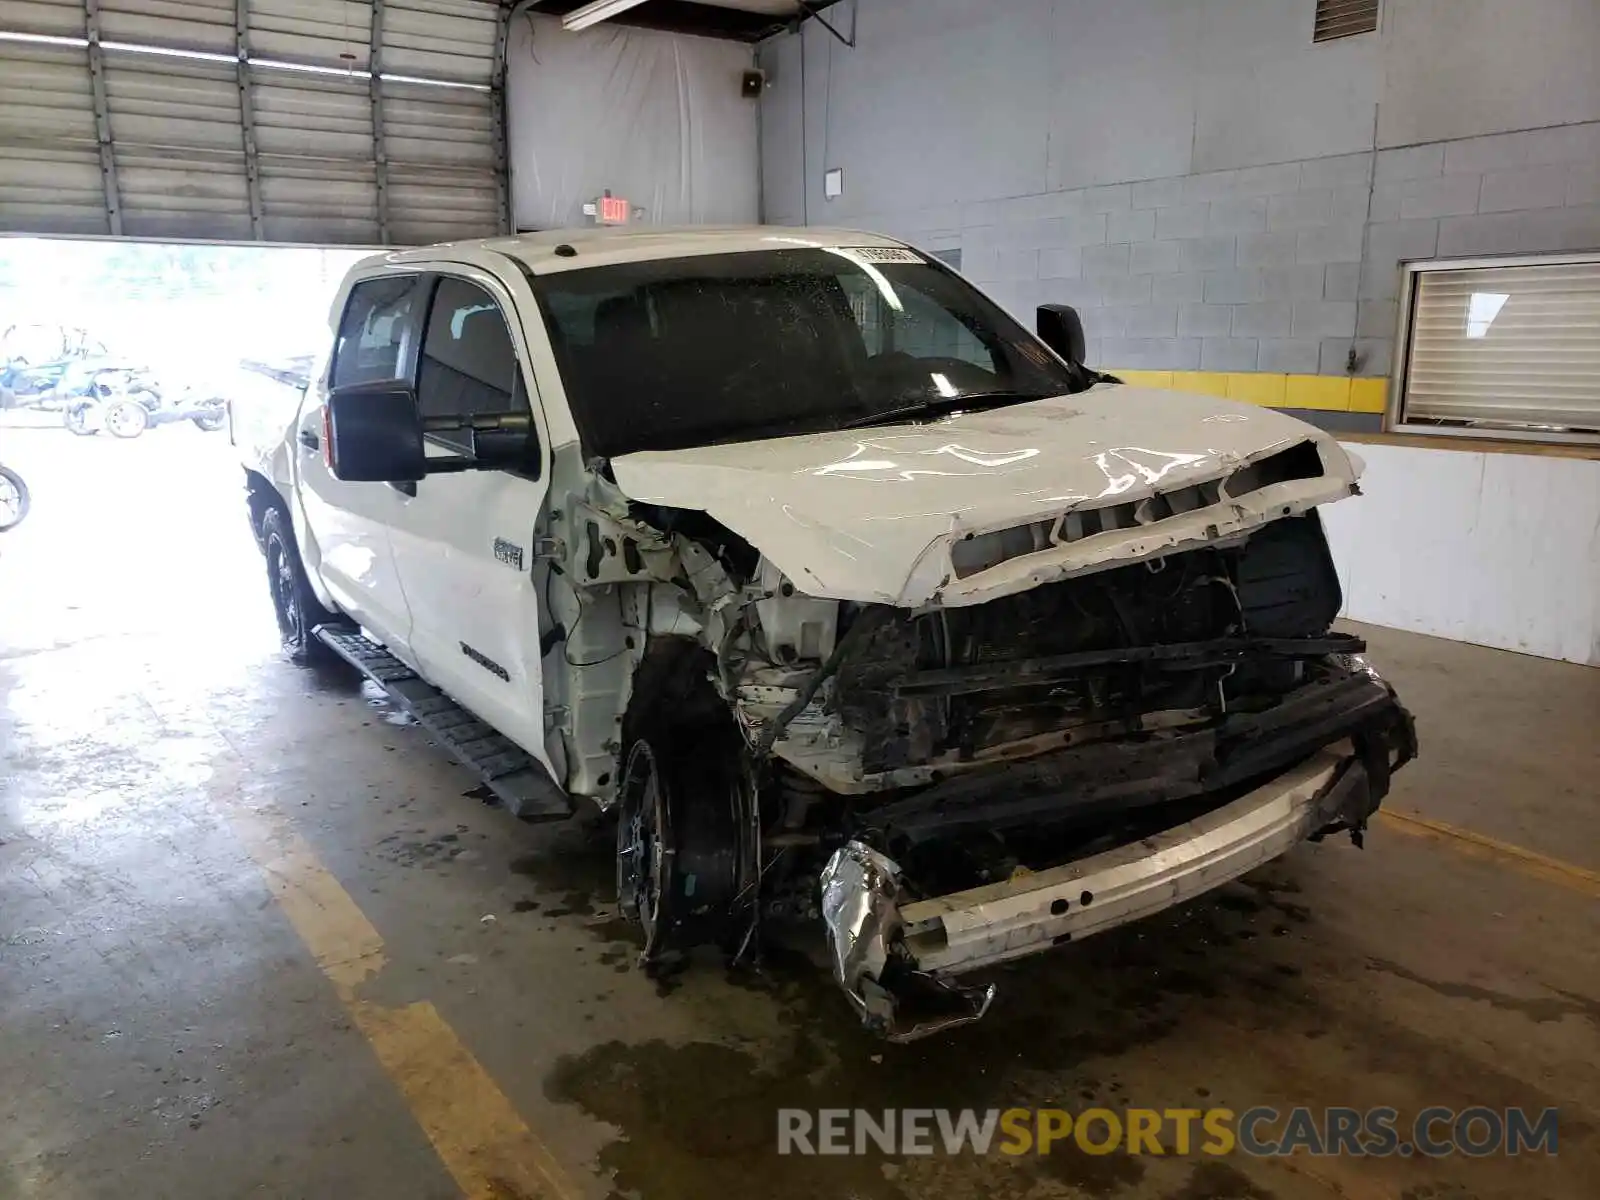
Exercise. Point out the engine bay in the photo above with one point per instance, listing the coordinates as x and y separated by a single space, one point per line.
975 683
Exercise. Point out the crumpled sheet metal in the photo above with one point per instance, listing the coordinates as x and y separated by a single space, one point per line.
893 999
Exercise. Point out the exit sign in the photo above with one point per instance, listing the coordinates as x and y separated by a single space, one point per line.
612 210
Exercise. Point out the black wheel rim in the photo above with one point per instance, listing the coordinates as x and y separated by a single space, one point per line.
642 839
285 595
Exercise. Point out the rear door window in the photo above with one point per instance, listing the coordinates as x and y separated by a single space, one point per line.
377 336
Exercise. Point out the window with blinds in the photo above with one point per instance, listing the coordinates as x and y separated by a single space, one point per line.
1504 345
1344 18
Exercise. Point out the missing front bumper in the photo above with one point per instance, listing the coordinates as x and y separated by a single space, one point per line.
892 960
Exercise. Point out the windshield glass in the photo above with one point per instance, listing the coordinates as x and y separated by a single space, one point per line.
680 352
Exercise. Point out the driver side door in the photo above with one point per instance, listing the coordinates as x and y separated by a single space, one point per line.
348 523
464 541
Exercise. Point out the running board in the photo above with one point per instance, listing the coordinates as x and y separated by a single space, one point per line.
517 780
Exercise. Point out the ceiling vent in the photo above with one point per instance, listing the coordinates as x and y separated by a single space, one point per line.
1344 18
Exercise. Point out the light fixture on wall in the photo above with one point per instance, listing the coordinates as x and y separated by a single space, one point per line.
833 184
593 14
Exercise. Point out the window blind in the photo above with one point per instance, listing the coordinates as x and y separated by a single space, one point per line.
1506 346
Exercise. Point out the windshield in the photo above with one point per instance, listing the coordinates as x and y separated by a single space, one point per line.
680 352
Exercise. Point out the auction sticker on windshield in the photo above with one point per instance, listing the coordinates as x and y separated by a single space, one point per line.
880 254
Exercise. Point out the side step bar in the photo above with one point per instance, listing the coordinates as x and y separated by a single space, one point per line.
517 780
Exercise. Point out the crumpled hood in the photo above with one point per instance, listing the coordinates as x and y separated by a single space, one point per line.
870 515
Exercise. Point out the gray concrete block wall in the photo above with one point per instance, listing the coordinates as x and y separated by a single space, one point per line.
1273 268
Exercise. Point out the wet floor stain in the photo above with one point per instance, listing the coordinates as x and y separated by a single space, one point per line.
578 865
701 1119
1218 1181
1093 1174
424 852
1535 1008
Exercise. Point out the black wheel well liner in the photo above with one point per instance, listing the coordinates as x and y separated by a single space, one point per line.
672 691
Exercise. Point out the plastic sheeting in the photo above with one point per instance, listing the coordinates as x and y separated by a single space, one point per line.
655 117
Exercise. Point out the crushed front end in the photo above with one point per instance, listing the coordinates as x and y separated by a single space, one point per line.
991 780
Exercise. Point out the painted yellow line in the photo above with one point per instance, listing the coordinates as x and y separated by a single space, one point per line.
478 1135
1530 862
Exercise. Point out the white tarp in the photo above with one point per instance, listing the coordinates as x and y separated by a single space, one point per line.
655 117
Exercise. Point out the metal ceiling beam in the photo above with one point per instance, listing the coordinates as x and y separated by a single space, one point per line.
703 20
814 11
102 118
247 118
380 149
497 107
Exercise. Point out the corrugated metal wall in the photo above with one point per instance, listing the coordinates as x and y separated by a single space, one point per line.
117 129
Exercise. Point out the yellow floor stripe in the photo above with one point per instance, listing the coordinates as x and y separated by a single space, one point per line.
476 1132
1530 862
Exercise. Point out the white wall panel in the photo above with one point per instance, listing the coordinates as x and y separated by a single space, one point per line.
655 117
1460 68
1498 549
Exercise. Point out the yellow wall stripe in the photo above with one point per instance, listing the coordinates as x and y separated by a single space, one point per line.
1330 393
1206 383
1369 395
1265 389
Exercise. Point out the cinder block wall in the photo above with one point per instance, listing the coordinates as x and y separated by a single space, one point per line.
1227 203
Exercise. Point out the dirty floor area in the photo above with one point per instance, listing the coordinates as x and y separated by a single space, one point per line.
257 938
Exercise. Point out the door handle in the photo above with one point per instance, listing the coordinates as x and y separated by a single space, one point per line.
309 439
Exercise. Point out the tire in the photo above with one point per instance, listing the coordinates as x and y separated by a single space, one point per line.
127 419
211 422
76 419
683 864
293 602
14 499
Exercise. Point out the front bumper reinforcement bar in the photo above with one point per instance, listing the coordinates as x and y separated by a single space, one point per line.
897 963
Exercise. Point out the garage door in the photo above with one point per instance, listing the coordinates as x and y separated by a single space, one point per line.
327 121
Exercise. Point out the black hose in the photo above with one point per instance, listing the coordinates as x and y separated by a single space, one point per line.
865 625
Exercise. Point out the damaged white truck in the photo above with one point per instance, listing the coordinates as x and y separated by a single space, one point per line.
846 593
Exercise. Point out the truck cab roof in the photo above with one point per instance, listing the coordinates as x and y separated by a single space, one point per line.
602 246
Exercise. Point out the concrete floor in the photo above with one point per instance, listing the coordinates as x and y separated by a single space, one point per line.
246 945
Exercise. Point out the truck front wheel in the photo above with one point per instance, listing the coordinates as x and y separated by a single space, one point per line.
686 851
293 602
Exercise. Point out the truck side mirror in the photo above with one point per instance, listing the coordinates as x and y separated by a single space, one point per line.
374 434
1061 328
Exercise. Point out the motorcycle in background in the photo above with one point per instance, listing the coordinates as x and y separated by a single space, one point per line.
13 499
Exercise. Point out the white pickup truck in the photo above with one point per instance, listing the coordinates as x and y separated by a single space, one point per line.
847 593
